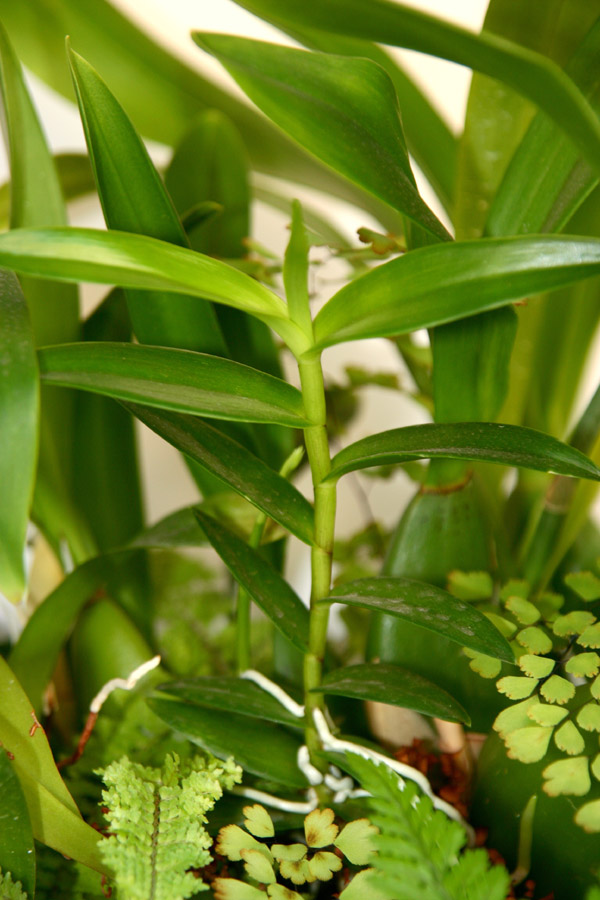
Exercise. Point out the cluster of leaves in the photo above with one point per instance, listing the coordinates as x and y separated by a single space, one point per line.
420 851
156 819
558 689
293 862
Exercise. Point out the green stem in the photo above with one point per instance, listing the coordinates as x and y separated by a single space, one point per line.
317 446
244 605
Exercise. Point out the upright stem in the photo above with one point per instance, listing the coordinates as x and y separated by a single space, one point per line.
317 446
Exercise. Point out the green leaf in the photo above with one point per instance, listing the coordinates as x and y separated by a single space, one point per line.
544 714
573 623
514 717
528 744
137 261
557 690
588 816
524 611
257 866
517 687
386 683
569 739
233 839
535 640
536 666
343 110
258 821
470 585
279 892
289 852
19 408
236 466
233 889
295 270
386 22
588 717
237 695
567 776
54 816
427 606
510 445
178 529
260 748
319 828
261 580
174 379
355 840
486 666
363 887
590 637
586 584
17 851
323 865
583 665
445 282
134 199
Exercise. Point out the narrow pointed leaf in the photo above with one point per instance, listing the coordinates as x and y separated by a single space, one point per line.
428 606
17 850
235 695
385 683
343 110
136 261
179 380
442 283
508 445
261 748
19 407
262 582
388 22
236 466
134 199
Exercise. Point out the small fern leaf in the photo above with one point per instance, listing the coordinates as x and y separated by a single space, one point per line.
9 889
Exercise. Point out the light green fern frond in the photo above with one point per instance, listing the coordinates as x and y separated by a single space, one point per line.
156 817
9 889
419 848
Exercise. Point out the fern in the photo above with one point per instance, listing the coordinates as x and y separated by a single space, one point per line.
419 848
156 817
9 889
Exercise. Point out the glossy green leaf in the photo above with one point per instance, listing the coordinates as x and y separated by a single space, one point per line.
343 110
136 261
429 138
179 380
547 180
385 683
17 851
236 695
129 58
19 408
134 199
234 465
442 283
261 748
261 581
427 606
54 815
387 22
509 445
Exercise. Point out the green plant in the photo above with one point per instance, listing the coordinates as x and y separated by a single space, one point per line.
479 577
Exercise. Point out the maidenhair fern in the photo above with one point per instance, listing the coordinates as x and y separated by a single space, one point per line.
558 687
9 889
156 819
420 850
